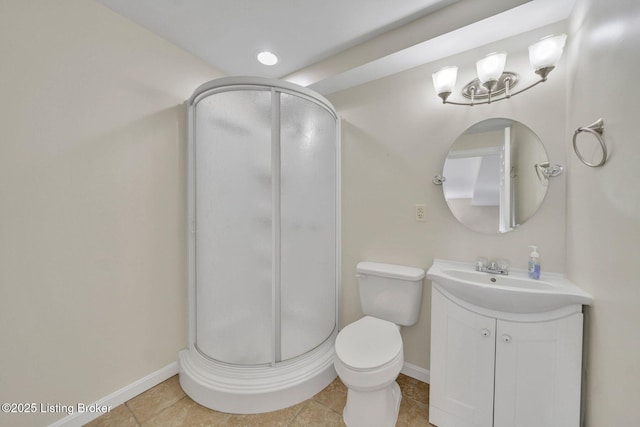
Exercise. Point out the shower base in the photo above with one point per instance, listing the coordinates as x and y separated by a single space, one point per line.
255 389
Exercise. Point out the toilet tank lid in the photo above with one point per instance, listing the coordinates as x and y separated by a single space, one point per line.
390 270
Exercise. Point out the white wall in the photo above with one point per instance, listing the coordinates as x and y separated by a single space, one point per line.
396 134
92 202
603 204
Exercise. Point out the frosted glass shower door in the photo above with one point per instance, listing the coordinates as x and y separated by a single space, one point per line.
233 212
264 181
307 225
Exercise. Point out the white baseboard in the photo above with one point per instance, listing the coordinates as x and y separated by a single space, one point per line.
118 397
416 372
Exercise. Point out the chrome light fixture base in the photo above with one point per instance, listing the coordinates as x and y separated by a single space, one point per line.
476 90
544 72
444 96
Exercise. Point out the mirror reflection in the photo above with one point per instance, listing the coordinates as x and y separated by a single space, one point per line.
494 175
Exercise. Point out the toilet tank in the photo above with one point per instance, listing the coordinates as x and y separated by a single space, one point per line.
390 292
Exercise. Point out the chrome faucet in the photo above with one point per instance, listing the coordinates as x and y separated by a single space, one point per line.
495 266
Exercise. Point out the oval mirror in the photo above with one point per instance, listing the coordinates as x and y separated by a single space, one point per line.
495 177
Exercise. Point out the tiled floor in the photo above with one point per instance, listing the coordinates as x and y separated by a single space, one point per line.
166 405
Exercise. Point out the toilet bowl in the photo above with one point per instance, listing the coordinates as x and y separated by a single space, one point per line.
369 358
369 351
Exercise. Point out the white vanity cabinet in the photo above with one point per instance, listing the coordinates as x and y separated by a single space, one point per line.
493 369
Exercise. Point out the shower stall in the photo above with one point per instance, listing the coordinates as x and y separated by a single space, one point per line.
263 244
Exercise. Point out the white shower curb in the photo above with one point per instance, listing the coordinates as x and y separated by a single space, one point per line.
256 389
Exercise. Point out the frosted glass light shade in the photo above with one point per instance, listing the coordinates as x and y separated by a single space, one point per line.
547 51
490 67
445 79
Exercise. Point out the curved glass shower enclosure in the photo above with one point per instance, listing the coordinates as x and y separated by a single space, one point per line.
263 244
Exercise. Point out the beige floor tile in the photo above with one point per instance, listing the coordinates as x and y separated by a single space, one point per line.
333 396
166 405
120 416
413 414
187 413
315 414
156 399
279 418
414 389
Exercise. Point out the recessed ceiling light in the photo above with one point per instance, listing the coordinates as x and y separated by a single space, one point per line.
267 58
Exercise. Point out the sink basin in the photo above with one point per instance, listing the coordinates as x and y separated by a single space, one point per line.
515 293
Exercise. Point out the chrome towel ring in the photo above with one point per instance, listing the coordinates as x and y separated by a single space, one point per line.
596 129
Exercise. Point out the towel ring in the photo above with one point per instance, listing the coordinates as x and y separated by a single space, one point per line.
596 129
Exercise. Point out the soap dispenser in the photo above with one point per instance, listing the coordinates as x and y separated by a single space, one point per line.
534 263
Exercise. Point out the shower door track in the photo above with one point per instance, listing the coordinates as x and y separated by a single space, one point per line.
275 226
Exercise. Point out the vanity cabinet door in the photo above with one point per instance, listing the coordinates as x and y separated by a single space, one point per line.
538 373
462 365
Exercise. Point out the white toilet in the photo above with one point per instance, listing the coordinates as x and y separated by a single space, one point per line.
369 353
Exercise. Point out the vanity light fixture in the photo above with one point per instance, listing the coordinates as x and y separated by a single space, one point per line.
493 81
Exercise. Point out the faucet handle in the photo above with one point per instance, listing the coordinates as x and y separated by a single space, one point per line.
481 262
503 265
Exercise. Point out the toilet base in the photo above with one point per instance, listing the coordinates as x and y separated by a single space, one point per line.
378 408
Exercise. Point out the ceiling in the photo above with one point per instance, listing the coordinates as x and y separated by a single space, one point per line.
307 34
229 33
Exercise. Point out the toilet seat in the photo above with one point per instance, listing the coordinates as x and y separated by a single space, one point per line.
368 344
